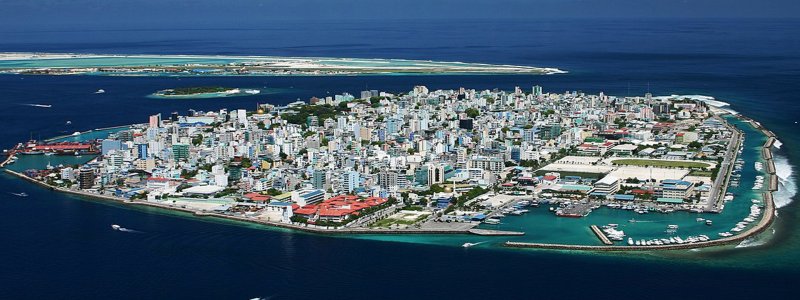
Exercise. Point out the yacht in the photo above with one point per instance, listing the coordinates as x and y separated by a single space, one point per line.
492 221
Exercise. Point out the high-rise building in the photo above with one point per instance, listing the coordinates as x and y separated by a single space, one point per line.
142 149
108 145
319 179
349 181
155 121
86 178
180 151
536 91
387 179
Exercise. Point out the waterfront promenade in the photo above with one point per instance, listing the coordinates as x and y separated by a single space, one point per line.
304 227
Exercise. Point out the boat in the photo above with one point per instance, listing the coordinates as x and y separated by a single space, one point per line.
23 194
69 123
100 91
492 221
709 222
700 219
672 226
467 245
630 241
116 227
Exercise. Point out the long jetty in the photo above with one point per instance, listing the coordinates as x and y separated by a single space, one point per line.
602 236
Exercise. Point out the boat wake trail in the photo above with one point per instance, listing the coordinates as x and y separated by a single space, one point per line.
129 230
787 188
38 105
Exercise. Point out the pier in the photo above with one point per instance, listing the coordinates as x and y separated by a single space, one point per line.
602 236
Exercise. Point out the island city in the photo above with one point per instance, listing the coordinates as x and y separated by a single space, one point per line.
518 168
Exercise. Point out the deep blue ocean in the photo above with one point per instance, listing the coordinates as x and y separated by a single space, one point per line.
59 246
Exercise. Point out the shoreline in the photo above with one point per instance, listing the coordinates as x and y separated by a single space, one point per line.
766 220
317 230
301 65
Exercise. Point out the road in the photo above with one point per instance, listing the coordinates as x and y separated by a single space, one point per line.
717 189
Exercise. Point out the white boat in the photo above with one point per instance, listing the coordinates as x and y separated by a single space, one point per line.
115 227
630 241
492 221
23 194
467 245
100 91
672 226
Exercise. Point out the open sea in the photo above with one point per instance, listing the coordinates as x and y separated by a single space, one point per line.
60 246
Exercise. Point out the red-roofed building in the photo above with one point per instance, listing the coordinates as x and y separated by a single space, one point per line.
337 208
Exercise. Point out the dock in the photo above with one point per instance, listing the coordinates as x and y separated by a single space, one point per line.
8 160
602 236
489 232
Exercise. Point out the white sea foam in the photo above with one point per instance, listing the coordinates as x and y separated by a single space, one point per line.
752 242
787 188
777 144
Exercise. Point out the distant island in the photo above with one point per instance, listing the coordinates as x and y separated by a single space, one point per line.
204 92
196 65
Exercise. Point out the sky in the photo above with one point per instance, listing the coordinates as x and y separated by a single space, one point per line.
21 14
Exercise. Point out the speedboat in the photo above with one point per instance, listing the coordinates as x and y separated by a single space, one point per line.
100 91
23 194
467 245
115 227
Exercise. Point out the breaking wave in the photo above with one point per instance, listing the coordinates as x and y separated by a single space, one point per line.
751 242
787 188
